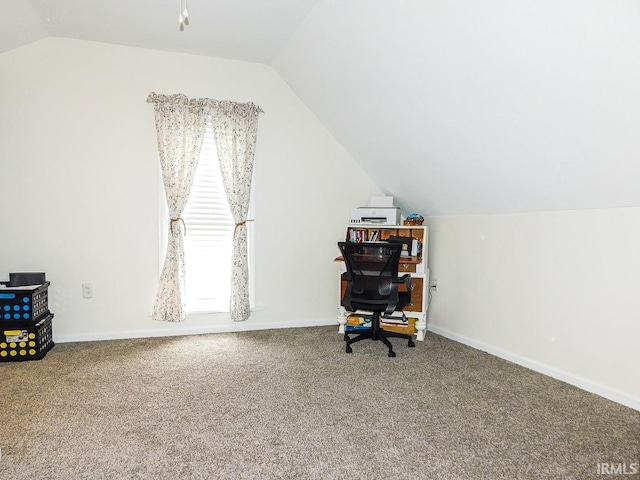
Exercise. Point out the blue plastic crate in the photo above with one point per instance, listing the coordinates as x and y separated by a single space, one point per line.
23 304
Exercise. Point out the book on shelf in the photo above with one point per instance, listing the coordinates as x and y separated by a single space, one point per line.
414 247
398 319
357 323
360 328
356 235
359 235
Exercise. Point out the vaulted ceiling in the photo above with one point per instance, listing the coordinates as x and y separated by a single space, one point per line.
452 106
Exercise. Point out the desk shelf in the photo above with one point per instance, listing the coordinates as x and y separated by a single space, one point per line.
416 266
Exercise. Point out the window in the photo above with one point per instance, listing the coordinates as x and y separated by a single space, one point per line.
209 235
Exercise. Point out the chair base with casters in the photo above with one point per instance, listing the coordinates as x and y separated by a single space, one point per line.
377 333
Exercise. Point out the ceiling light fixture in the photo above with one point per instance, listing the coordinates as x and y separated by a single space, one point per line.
184 15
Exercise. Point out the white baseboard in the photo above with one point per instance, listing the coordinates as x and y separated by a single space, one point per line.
577 381
182 328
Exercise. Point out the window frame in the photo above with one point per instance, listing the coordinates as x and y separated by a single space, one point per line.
163 242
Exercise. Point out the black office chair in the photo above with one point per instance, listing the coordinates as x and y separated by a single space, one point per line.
372 285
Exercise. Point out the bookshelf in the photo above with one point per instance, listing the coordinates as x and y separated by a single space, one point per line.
415 262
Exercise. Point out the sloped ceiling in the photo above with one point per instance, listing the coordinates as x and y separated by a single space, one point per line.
250 30
452 106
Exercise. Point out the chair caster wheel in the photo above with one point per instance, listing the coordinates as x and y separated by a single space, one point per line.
392 353
348 349
411 344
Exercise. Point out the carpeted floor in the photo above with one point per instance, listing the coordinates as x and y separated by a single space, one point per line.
291 404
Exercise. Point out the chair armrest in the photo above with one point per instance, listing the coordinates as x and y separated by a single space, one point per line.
406 279
395 282
393 296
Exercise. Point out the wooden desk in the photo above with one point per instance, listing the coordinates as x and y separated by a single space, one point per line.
416 311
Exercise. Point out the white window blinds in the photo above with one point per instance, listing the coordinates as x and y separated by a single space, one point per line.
209 235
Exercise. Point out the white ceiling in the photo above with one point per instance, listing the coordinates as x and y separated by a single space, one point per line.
452 106
252 30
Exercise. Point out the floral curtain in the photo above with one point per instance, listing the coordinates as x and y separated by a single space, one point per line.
180 127
235 128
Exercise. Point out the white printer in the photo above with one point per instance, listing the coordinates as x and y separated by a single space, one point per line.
376 216
379 212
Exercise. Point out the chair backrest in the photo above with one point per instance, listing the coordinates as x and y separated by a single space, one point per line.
371 269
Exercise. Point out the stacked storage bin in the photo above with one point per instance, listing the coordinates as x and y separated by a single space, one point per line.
26 332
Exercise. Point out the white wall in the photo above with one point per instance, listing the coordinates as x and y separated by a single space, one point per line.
499 106
558 292
80 188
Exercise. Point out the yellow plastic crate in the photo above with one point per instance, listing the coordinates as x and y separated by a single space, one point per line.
26 341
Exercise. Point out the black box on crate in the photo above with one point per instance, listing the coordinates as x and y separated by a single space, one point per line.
20 279
23 304
20 341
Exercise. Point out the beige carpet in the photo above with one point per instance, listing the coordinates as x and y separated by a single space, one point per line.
291 404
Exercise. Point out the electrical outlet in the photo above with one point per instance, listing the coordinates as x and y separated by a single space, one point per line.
87 290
